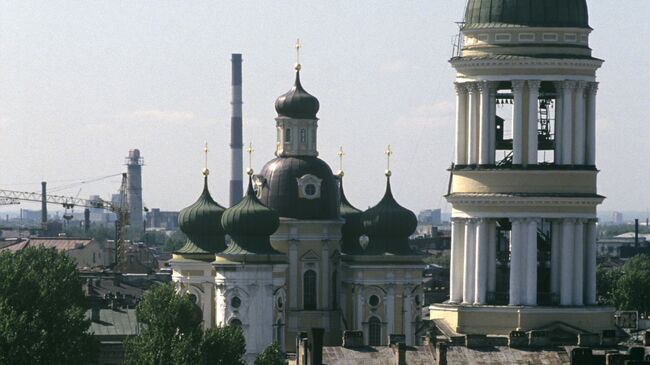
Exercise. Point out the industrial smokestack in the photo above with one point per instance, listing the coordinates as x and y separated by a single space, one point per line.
236 144
636 234
44 206
86 219
134 164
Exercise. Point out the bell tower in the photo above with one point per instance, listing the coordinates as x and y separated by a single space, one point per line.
524 178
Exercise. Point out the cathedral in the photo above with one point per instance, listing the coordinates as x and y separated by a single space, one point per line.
294 254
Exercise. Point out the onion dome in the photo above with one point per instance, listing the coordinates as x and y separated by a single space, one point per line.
297 103
389 225
249 224
201 223
353 227
527 13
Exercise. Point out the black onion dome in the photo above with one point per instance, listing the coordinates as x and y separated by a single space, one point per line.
280 188
250 224
529 13
297 103
353 227
389 225
201 223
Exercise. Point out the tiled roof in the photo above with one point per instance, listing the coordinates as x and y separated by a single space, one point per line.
111 322
60 244
338 355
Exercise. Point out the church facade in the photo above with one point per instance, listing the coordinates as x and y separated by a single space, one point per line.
294 254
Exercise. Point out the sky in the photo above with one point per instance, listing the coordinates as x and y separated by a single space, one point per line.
83 82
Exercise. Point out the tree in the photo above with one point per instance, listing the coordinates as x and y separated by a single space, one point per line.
271 355
627 288
42 309
172 333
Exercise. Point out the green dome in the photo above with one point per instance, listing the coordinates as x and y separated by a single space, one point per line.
353 227
249 224
529 13
201 223
389 225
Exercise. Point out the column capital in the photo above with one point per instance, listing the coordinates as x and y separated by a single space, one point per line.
488 86
471 220
569 220
592 88
461 88
517 220
472 87
582 85
570 84
582 221
458 220
534 84
518 85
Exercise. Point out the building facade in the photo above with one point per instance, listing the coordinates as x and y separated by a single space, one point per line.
524 191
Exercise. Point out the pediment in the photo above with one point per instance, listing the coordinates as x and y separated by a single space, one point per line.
310 256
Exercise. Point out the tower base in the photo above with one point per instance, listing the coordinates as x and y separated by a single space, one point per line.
501 320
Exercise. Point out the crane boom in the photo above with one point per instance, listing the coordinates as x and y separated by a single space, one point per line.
8 201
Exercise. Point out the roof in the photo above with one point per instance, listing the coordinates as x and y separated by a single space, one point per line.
122 322
338 355
529 13
60 244
297 103
507 355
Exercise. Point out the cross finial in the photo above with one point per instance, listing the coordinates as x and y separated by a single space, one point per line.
388 153
298 47
206 172
250 151
340 153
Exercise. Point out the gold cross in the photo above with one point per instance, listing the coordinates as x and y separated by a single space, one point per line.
340 153
206 172
298 47
388 153
250 151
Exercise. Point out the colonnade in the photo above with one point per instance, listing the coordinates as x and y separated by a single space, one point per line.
575 122
474 259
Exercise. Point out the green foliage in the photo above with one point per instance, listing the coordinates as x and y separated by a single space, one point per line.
42 310
627 288
172 334
271 355
174 242
442 258
612 230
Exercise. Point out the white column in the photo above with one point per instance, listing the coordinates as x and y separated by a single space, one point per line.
566 264
208 305
567 121
480 278
531 263
556 235
580 125
325 276
493 124
457 266
484 142
533 118
492 258
578 263
408 317
590 263
518 122
293 270
559 125
516 264
470 250
390 308
591 124
461 124
473 129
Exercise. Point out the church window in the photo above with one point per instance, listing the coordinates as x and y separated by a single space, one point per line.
374 332
287 135
373 300
310 189
280 303
309 290
417 300
235 302
235 322
303 136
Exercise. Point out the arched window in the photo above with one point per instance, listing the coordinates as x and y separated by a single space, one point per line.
287 135
374 332
309 290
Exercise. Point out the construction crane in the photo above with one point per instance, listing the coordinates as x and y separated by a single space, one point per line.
9 201
120 209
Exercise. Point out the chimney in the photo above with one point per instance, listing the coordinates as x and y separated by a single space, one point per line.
636 233
44 206
236 143
317 346
441 353
94 314
399 353
86 219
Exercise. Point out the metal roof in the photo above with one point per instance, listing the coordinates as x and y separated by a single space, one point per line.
530 13
122 322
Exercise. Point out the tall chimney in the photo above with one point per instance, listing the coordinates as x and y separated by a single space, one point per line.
236 144
636 233
86 220
44 206
134 164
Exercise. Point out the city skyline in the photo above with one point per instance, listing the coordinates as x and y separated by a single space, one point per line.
81 84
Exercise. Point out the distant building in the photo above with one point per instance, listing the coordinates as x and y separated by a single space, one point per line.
431 217
87 253
160 219
617 218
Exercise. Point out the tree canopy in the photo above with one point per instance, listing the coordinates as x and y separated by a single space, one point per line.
272 355
172 333
628 287
42 309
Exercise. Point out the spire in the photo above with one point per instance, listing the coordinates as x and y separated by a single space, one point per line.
388 152
298 66
250 150
340 153
206 172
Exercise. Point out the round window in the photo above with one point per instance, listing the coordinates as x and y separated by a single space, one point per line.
310 189
235 302
235 322
373 300
192 298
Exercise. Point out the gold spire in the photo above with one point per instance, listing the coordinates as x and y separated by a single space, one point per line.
206 172
340 153
388 153
298 47
250 151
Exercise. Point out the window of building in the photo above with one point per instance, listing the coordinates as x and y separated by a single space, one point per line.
280 303
374 332
310 189
309 290
235 302
235 322
373 300
287 135
303 136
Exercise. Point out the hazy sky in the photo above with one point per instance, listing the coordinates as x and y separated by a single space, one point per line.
82 82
